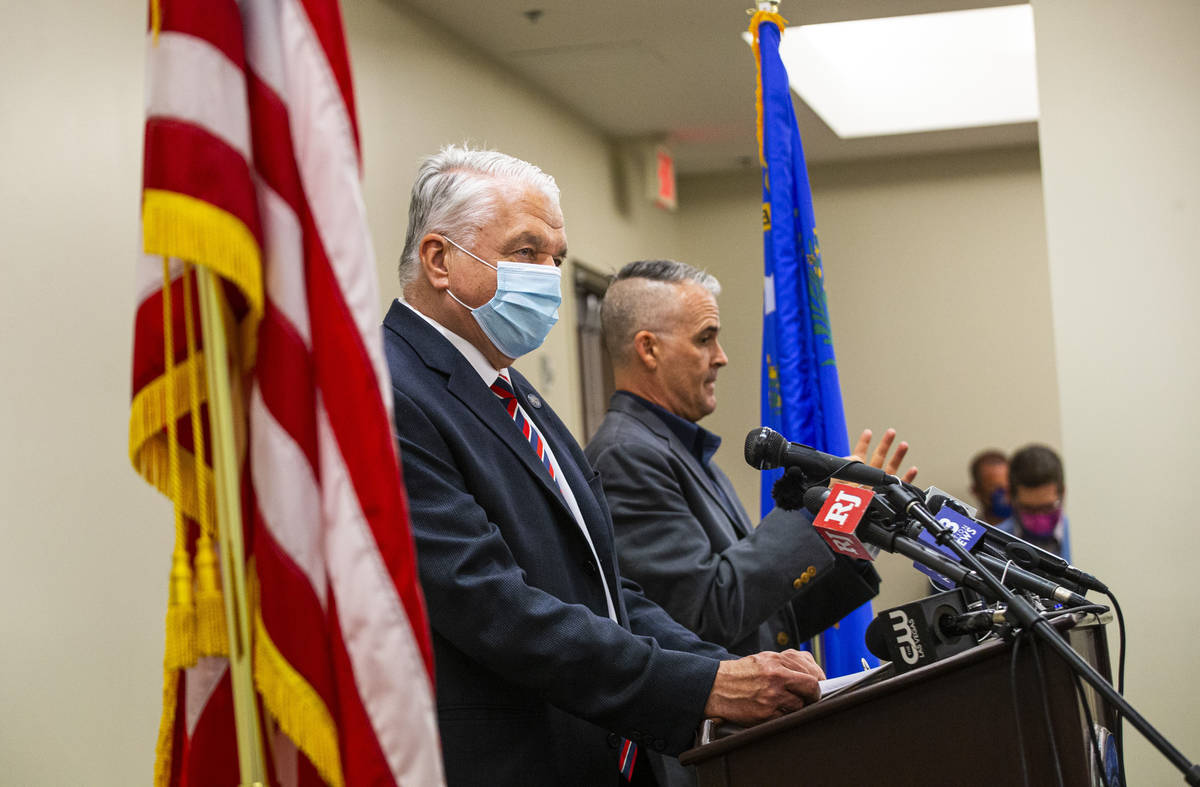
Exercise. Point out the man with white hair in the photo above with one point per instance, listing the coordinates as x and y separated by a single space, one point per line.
551 668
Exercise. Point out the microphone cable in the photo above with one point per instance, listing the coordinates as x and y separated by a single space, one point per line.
1016 694
1098 609
1087 714
1053 739
1012 677
1119 732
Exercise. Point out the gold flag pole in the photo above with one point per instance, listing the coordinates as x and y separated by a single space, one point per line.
229 530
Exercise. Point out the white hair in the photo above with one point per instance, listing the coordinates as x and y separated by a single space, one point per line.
455 193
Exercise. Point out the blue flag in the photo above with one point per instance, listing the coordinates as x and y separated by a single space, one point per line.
801 397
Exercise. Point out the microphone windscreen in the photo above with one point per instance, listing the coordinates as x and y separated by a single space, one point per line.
763 446
791 491
875 640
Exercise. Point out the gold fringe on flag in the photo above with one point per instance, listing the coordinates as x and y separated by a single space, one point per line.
176 225
164 750
758 18
149 450
297 707
179 226
155 20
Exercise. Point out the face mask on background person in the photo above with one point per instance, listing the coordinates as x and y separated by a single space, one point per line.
1040 523
524 308
999 504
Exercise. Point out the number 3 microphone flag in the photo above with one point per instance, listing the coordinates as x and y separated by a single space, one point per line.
251 170
801 396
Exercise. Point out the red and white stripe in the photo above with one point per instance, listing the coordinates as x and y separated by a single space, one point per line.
266 83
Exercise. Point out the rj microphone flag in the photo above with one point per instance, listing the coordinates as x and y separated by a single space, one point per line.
252 171
801 396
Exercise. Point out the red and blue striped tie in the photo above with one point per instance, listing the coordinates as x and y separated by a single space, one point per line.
503 388
627 759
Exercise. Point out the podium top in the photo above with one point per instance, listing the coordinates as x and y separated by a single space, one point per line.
718 738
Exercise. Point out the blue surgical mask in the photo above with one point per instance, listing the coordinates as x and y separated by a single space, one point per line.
1001 507
524 308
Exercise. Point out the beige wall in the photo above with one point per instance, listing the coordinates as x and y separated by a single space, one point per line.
1120 93
938 292
84 543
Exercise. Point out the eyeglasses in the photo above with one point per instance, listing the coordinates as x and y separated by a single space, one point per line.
1046 508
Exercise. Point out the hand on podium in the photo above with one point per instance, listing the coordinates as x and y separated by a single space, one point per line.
764 686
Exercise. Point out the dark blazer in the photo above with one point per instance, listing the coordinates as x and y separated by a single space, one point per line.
747 588
534 682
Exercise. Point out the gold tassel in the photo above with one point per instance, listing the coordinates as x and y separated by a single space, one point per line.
211 633
212 638
181 608
181 615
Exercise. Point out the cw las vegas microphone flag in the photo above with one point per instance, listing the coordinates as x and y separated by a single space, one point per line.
801 396
251 171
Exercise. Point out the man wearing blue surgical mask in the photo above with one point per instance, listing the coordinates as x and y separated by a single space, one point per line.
989 485
551 669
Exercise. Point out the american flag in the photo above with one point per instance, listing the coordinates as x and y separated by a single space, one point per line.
252 170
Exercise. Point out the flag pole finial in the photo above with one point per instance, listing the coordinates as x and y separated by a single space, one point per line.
770 6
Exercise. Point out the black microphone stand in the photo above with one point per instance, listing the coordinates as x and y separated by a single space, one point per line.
1024 614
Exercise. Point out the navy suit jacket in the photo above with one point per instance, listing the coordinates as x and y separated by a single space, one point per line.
534 682
696 553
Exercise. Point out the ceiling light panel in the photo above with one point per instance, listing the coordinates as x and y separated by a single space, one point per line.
924 72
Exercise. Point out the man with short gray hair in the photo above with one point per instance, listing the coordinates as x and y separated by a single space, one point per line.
682 533
551 668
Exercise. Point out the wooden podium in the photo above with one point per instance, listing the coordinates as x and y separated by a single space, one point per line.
953 722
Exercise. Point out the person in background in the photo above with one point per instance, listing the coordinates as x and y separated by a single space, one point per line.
989 485
1036 488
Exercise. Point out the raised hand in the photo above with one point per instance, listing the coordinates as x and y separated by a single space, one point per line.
880 458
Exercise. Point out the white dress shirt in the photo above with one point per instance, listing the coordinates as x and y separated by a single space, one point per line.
488 374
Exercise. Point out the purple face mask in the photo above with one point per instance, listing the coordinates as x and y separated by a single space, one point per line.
1042 523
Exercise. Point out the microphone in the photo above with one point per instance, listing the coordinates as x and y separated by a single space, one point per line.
849 530
840 509
767 449
976 622
920 632
888 539
967 532
962 530
1009 547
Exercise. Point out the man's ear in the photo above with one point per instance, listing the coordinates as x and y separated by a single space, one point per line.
645 347
432 256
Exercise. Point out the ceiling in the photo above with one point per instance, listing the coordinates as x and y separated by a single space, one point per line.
678 71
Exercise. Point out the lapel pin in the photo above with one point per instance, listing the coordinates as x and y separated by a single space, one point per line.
535 401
